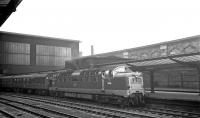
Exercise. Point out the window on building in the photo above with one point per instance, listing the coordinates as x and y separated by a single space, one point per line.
52 55
14 53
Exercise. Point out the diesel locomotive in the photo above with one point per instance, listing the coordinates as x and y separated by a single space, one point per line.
110 84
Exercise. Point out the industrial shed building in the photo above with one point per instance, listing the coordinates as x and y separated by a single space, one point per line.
22 53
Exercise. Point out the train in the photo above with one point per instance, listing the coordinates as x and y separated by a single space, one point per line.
116 84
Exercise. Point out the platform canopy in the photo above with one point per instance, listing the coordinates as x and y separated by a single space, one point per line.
180 60
6 9
187 60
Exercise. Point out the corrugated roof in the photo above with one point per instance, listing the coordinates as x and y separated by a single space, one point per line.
45 37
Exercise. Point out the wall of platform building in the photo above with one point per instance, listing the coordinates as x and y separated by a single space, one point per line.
174 78
27 53
186 80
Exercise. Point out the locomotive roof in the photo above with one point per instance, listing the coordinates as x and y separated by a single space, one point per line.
31 75
4 77
112 67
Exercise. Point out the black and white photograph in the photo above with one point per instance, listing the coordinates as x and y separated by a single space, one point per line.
99 59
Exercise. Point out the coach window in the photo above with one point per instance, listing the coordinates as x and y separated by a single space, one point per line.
103 74
107 73
92 73
99 74
96 75
92 76
75 76
81 76
87 76
17 80
25 81
30 81
61 78
65 76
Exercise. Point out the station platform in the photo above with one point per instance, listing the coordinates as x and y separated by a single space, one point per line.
181 96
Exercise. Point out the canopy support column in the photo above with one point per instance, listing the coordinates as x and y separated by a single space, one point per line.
152 81
198 69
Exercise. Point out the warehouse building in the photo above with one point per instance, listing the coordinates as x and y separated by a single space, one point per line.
22 53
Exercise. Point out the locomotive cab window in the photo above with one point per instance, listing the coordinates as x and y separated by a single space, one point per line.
137 79
108 74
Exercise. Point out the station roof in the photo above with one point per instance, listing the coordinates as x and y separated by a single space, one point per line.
191 60
6 9
187 60
186 39
183 52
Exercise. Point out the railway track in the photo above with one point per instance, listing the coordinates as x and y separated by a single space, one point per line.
150 112
97 110
30 110
181 108
9 110
171 112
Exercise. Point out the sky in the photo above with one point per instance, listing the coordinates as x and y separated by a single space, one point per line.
108 25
